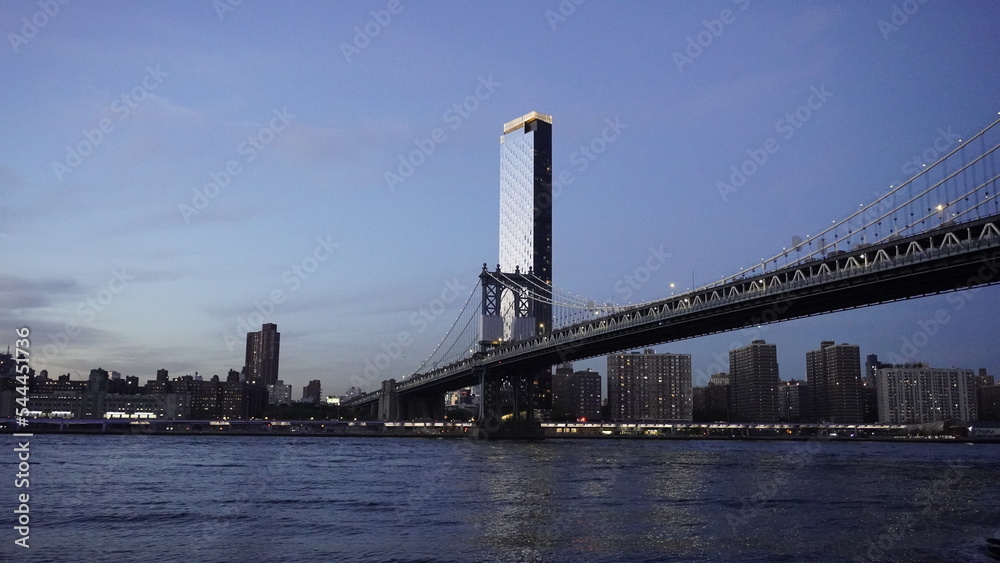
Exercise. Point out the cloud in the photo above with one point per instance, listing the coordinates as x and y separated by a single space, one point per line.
342 144
17 293
164 109
155 276
341 156
292 303
171 218
60 347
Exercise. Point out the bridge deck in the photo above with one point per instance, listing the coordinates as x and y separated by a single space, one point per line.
947 258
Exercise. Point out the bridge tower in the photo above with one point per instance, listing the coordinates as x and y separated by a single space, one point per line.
510 304
507 390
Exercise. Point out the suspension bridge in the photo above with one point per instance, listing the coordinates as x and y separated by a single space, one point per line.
937 232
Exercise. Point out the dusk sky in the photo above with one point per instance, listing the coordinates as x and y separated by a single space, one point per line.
120 251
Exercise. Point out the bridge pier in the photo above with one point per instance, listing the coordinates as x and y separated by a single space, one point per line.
388 402
492 423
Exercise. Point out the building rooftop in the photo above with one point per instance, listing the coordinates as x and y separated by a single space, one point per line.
520 121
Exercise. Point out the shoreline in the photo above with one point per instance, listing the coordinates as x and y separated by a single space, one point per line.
937 432
548 436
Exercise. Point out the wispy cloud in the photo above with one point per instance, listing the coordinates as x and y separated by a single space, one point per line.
18 293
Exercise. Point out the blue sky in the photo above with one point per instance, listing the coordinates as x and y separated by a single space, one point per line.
174 172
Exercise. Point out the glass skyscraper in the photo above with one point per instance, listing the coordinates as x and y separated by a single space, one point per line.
526 206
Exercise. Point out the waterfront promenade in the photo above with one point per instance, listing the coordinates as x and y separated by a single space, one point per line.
947 431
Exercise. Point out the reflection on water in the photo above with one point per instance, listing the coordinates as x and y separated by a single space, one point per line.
374 500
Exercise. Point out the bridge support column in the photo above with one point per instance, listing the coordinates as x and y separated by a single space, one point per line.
524 408
491 423
388 403
436 407
490 412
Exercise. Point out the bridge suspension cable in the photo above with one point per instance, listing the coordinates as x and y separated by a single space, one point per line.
460 344
946 189
475 291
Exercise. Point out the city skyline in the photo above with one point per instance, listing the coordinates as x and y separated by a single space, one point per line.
642 386
222 191
889 360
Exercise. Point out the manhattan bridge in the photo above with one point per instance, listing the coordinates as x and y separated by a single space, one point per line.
939 231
